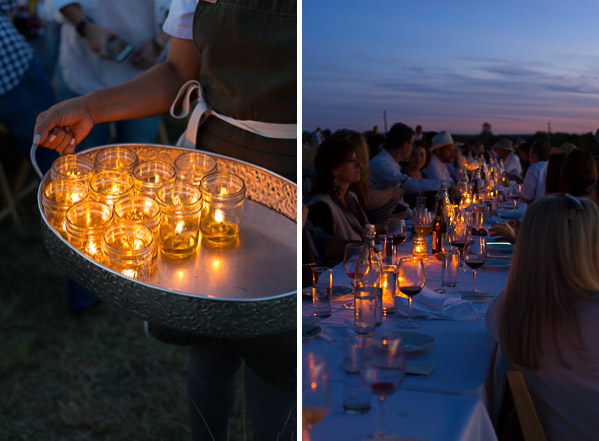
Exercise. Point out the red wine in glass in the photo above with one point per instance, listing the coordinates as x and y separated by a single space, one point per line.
383 381
411 291
398 239
459 243
474 263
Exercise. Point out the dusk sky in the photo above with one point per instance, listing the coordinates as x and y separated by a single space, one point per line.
451 65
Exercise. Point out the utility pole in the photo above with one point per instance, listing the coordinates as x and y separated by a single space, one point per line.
385 119
549 133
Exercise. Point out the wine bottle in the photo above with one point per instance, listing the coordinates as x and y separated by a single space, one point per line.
439 223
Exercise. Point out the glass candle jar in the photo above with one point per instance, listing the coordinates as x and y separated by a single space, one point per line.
85 225
109 186
389 277
419 245
191 167
180 206
77 168
116 158
130 249
57 198
138 209
223 195
148 177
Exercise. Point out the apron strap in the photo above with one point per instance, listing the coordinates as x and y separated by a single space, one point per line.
202 110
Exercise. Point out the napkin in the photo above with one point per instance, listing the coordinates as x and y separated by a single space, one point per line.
433 305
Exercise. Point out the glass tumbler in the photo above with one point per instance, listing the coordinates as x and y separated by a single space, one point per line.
223 195
180 206
129 249
86 223
148 177
57 198
193 166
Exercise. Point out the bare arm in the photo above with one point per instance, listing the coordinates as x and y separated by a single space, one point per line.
151 93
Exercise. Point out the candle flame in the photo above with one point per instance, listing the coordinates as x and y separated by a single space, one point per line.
179 227
75 197
91 247
219 216
129 273
156 179
176 200
114 189
223 190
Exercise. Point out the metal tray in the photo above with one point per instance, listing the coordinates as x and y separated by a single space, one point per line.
245 291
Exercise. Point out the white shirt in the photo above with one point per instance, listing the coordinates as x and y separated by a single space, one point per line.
179 22
512 165
386 172
438 170
134 21
533 187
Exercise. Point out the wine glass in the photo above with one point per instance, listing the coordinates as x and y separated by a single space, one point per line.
475 255
382 370
459 232
350 257
316 388
423 222
411 278
397 228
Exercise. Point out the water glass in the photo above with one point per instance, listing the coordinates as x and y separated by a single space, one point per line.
449 267
356 399
365 309
322 287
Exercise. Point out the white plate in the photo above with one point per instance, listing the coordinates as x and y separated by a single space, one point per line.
497 263
310 327
510 214
500 247
474 297
415 342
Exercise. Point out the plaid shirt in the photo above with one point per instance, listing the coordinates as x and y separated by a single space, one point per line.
15 53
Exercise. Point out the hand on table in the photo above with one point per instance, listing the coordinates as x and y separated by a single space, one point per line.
504 231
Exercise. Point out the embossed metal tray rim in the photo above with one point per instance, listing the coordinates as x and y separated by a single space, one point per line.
179 310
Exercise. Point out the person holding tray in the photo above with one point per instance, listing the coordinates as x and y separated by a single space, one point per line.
245 61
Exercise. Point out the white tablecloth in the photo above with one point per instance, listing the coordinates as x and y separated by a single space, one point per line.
455 402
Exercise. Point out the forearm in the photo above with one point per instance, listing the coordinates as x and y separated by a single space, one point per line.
137 98
73 13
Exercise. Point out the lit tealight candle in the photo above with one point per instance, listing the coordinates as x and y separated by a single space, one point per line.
116 158
129 249
419 246
72 168
148 177
57 198
109 186
85 224
191 167
180 206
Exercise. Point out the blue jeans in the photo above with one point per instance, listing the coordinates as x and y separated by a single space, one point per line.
212 389
20 107
143 130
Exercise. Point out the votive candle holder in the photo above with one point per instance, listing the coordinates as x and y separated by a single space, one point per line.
180 205
148 177
85 224
130 249
223 195
109 186
58 197
116 158
138 209
77 168
192 166
389 277
419 246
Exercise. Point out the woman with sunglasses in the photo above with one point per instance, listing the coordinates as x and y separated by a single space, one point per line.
547 319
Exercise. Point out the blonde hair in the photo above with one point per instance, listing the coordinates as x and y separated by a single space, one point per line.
555 268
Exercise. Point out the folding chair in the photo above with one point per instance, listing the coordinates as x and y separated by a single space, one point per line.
527 414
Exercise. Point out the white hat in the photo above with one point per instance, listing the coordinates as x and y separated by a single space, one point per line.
441 139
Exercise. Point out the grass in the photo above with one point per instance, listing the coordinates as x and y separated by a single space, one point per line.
90 377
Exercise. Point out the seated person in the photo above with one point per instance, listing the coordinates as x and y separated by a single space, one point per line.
579 171
547 319
333 208
443 150
533 187
385 170
511 162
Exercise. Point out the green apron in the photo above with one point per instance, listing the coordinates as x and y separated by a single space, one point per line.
248 59
248 71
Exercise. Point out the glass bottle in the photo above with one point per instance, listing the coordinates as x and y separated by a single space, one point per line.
368 280
439 222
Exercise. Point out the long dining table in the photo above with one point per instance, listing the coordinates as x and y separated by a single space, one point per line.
459 400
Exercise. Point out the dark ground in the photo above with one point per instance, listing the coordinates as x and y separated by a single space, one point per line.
90 377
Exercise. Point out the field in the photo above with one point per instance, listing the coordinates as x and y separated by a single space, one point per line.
93 376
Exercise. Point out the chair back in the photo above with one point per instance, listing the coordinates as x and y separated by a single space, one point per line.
527 414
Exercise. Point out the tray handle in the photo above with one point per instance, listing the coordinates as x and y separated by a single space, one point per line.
36 167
